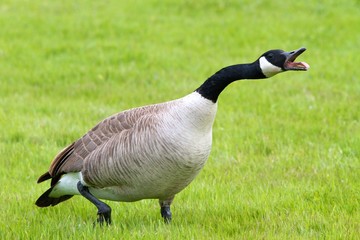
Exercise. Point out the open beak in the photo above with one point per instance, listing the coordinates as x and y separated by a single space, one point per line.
295 66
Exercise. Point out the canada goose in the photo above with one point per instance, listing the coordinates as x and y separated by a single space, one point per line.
151 152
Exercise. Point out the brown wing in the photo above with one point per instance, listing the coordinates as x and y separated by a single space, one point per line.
71 158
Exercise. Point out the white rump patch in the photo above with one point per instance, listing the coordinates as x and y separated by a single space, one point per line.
67 185
267 68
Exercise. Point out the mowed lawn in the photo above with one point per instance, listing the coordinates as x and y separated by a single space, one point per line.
285 158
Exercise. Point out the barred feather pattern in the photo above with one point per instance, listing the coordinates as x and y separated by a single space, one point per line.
160 153
153 151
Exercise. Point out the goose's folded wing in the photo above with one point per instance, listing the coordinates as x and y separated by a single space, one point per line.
71 158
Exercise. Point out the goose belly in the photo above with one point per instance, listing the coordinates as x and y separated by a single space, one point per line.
157 173
160 188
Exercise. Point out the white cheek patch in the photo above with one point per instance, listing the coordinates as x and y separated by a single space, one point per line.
267 68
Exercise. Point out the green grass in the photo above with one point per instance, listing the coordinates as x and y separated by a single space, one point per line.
285 160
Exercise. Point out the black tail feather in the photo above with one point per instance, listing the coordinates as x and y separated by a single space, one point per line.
44 177
45 201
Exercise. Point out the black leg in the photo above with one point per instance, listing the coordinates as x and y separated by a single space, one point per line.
165 209
104 211
166 214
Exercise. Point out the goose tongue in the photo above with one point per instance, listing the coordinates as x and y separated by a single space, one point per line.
297 66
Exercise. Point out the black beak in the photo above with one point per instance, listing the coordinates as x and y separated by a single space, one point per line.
290 58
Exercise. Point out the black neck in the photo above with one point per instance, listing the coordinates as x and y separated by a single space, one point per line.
215 84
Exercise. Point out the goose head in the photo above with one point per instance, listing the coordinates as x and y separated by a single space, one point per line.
275 61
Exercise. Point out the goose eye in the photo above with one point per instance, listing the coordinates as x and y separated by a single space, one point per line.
270 56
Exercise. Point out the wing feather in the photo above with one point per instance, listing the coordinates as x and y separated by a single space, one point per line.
71 158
